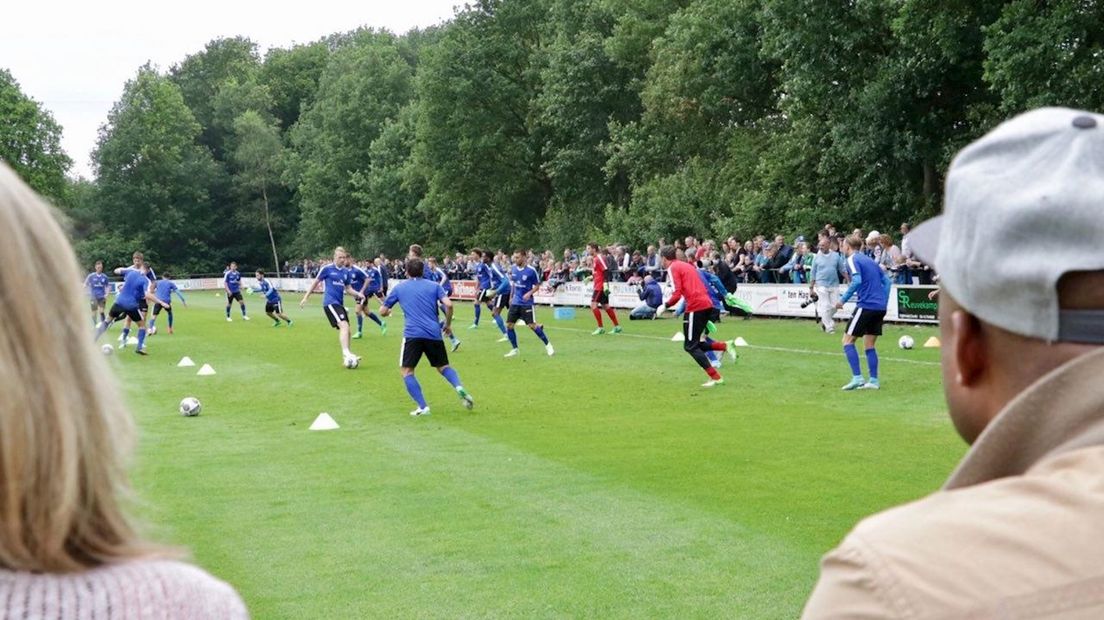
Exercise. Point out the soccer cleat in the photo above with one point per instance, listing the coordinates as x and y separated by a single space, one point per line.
710 327
713 383
455 345
153 331
420 411
871 385
473 326
503 339
276 324
469 402
856 383
618 329
229 320
732 350
358 336
141 352
383 328
548 349
245 317
512 353
290 323
598 332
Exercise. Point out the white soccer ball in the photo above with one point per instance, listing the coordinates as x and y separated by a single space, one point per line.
190 407
351 362
152 331
108 350
906 342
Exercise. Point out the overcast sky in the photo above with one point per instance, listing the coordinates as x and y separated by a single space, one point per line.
75 56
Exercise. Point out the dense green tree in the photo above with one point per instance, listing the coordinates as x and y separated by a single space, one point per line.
259 157
291 77
30 140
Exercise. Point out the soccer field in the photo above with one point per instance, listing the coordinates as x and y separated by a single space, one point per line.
602 482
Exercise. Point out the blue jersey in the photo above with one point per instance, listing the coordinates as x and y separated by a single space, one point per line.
419 299
96 283
134 289
333 280
714 286
357 278
233 281
523 279
272 296
497 277
868 280
151 277
375 279
483 276
165 289
438 275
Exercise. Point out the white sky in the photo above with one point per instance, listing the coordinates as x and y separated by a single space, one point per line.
74 56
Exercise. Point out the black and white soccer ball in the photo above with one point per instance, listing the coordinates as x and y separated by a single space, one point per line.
190 407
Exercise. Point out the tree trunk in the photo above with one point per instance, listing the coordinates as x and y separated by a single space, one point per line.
268 223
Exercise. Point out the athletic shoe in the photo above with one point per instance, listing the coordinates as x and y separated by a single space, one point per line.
871 385
358 336
856 383
829 331
383 328
290 323
732 350
713 383
548 348
512 353
152 331
618 330
229 320
276 324
469 402
455 345
141 352
473 326
598 332
503 339
420 411
245 317
710 327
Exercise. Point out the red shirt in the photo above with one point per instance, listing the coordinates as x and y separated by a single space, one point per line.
688 284
599 272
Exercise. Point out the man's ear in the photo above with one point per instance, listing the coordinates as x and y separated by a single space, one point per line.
969 348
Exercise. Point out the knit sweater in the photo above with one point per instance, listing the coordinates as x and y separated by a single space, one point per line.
136 590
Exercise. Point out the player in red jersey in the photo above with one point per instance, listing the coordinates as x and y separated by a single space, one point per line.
601 292
688 284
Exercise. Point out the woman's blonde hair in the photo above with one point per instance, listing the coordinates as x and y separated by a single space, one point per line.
64 430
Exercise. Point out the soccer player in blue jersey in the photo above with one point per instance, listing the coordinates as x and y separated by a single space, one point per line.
873 287
377 288
359 282
96 286
482 283
420 300
524 281
163 291
231 281
274 306
335 279
497 297
135 288
433 273
139 264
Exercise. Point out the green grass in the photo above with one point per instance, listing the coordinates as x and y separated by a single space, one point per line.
602 482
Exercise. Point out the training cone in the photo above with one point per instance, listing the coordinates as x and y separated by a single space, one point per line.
932 343
740 342
324 423
185 362
678 337
206 370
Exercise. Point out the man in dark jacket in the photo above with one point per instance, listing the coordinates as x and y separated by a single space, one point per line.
651 297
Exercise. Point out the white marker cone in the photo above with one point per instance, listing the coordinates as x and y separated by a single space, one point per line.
206 370
678 337
740 342
932 343
185 362
324 423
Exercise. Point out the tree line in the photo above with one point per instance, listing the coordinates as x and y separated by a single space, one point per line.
547 123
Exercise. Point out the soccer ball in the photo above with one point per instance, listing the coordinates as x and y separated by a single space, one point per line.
190 407
108 350
351 362
906 342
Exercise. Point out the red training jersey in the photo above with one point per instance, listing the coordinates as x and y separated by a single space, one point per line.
688 284
599 272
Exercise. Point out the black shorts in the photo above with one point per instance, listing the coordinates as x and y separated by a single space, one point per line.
337 315
600 297
485 295
119 313
524 313
715 315
143 305
98 304
157 309
274 308
693 325
414 348
866 322
233 296
501 302
370 294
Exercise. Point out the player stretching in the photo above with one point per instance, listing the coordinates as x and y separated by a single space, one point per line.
231 281
873 286
96 285
359 281
433 273
135 287
274 306
165 288
420 300
525 282
689 285
336 280
601 292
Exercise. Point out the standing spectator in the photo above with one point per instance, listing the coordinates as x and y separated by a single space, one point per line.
795 268
828 270
782 252
890 259
651 263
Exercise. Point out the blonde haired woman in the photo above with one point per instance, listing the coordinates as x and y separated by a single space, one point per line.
67 547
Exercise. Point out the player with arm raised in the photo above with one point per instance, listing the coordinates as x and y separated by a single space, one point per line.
524 282
96 286
688 284
164 290
274 306
139 264
335 281
600 297
135 287
231 281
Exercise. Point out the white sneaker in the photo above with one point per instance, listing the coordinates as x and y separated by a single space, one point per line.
420 411
152 331
245 317
503 339
712 383
512 353
549 349
229 320
455 345
732 350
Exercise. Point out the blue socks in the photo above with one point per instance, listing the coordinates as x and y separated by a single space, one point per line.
852 355
360 322
501 324
126 333
512 335
478 311
872 362
152 323
415 390
141 338
372 315
449 373
539 331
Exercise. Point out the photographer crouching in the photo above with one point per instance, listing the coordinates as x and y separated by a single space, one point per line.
824 282
651 297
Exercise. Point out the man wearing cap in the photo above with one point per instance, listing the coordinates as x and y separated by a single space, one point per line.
1015 532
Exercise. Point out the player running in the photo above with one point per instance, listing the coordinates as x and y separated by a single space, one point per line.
336 283
482 283
376 288
498 297
420 300
138 263
873 286
358 281
688 284
274 306
135 287
433 273
96 286
525 281
601 292
231 281
163 292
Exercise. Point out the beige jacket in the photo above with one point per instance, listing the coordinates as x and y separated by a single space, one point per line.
1016 532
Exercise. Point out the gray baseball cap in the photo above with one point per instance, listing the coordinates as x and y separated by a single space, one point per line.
1024 205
